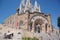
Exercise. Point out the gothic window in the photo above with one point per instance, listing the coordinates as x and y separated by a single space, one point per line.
38 29
21 23
46 26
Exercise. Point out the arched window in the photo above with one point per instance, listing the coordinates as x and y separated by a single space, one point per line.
38 29
46 26
20 24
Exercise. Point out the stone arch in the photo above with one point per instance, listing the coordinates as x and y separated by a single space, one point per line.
38 20
37 25
38 17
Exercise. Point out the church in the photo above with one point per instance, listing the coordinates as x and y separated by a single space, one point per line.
29 21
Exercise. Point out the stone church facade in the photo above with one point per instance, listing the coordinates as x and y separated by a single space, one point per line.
28 20
33 21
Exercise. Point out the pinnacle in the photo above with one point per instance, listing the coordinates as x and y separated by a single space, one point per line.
28 6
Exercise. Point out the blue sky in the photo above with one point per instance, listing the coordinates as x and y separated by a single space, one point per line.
8 7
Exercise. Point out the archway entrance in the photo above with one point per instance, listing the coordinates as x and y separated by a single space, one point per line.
37 25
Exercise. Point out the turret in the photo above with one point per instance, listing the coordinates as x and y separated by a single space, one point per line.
36 7
39 9
22 6
28 5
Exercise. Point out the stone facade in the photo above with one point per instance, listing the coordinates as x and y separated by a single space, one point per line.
30 23
33 22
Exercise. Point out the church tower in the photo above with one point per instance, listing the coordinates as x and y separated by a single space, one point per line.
22 6
28 6
36 20
36 7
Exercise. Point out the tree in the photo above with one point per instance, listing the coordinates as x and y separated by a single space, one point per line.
59 23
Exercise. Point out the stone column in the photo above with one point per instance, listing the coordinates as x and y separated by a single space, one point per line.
33 27
44 28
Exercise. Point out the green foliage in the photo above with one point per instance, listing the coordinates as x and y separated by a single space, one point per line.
30 38
35 38
59 22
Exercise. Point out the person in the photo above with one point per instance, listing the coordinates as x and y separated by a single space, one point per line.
19 36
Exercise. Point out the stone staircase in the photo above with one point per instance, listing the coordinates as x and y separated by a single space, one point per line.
41 36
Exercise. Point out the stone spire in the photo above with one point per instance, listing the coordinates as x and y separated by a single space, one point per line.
39 9
36 7
28 5
28 2
22 6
